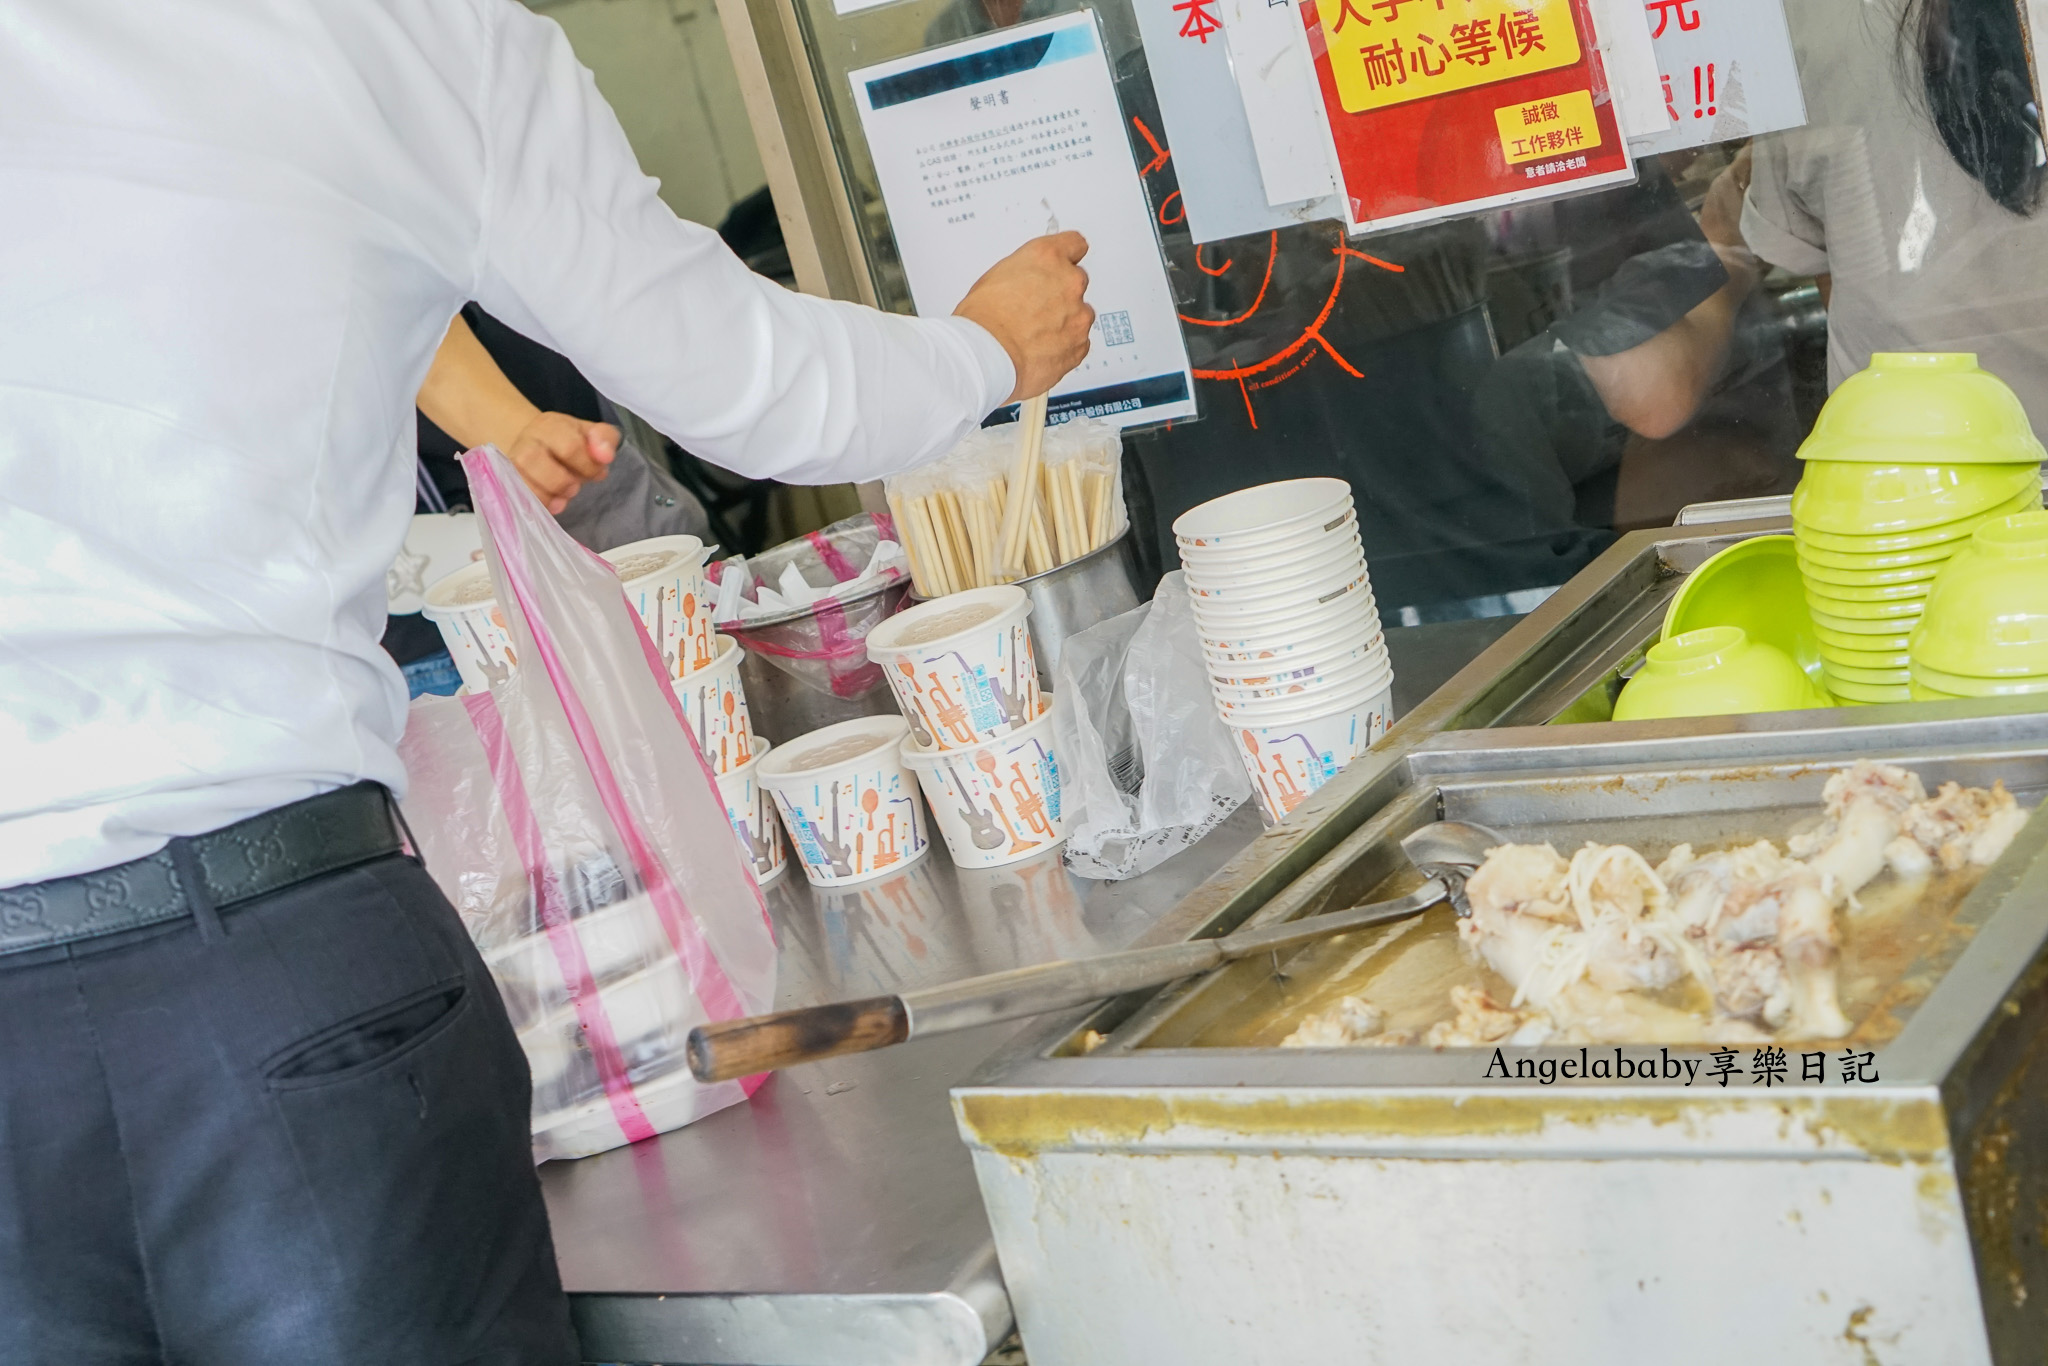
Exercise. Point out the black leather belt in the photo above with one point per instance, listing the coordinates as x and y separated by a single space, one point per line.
236 863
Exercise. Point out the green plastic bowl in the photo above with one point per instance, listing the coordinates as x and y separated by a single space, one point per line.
1880 592
1753 584
1987 616
1861 626
1932 557
1901 614
1833 657
1877 678
1715 671
1963 685
1913 575
1832 641
1868 694
1850 499
1923 407
2026 500
1922 693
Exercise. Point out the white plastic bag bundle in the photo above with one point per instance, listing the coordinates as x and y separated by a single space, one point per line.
569 816
1146 765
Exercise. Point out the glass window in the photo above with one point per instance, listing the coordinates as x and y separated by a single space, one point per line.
1508 392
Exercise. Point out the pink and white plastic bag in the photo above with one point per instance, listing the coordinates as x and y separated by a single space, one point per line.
572 820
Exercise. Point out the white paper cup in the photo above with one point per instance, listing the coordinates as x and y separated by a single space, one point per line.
1288 760
465 606
751 812
664 580
850 806
1207 567
961 666
1280 545
649 1013
715 708
1246 706
1264 515
1307 705
1254 633
618 939
1327 600
1352 640
1334 681
1311 580
998 802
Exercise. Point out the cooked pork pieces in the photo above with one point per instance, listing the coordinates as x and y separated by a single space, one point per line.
1585 942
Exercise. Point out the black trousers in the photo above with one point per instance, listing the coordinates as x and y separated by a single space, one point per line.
295 1132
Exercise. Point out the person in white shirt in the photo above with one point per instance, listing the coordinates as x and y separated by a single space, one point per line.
258 1100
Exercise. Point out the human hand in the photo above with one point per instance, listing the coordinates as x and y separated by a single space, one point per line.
1031 302
557 454
1721 217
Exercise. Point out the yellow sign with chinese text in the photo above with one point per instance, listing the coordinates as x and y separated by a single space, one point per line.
1554 126
1385 52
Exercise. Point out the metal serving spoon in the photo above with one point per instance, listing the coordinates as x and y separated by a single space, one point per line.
1447 851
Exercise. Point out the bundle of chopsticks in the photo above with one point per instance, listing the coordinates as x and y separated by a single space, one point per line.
962 528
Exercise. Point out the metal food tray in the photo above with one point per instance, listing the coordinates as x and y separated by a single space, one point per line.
1157 1197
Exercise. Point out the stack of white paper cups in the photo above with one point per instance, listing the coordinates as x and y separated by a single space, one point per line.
1297 660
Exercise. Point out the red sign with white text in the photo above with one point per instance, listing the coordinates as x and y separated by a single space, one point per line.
1443 108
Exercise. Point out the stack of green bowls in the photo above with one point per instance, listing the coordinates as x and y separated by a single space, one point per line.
1985 632
1908 459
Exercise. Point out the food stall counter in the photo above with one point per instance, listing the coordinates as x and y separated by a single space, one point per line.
834 1219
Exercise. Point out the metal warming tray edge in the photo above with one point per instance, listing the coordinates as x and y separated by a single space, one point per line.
1240 1205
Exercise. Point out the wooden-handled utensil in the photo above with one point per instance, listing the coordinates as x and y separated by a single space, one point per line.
763 1043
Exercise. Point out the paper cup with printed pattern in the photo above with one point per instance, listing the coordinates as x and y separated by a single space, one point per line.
1265 516
998 802
663 577
961 666
1288 759
850 806
465 607
715 709
751 812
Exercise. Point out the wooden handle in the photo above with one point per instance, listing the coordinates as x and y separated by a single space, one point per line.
731 1049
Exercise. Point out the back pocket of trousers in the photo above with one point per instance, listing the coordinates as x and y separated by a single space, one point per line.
363 1043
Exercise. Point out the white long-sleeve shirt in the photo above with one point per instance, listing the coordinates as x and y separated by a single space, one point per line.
234 232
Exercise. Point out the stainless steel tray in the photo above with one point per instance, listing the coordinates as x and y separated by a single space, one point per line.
1359 1183
1249 1203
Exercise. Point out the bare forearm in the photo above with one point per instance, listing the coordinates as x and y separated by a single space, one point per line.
467 396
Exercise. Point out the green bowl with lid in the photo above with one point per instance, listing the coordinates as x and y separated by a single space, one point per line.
1812 538
1756 585
1715 671
1923 408
1987 614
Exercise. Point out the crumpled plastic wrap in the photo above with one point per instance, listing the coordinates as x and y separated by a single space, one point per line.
1147 768
853 575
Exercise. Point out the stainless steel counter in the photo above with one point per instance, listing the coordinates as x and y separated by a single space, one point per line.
834 1220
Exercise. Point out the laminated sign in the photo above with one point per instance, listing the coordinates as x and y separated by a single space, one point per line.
1726 70
1444 108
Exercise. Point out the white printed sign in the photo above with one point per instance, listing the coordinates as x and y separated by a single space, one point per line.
983 144
1216 159
1726 70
